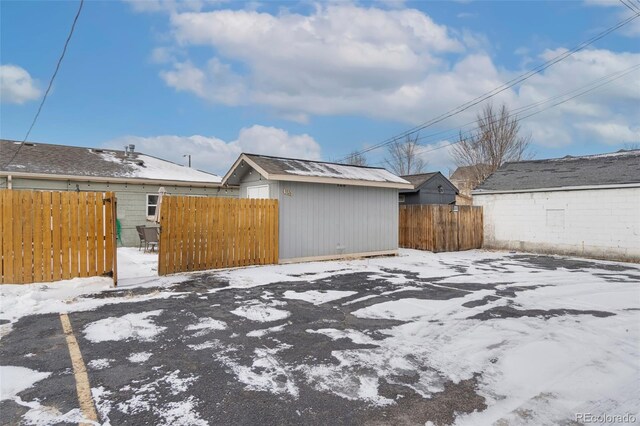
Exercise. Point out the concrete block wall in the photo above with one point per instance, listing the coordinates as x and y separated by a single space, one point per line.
601 223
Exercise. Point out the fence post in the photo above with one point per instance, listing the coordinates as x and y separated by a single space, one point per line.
114 236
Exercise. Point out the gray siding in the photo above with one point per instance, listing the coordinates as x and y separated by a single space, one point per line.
255 179
315 219
428 192
132 199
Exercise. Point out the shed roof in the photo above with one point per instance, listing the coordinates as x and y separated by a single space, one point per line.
72 161
618 168
293 169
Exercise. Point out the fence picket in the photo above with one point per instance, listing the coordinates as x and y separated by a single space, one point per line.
216 233
439 228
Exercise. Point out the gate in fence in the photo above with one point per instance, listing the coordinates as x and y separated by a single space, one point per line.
440 228
199 233
51 236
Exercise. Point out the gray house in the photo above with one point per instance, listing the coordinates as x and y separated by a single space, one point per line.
326 210
135 178
428 188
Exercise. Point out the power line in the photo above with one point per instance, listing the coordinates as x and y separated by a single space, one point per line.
631 6
610 77
581 91
53 77
500 88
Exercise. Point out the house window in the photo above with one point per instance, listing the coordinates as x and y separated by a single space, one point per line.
261 191
401 198
152 205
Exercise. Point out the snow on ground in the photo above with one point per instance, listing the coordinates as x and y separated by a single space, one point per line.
145 397
260 312
539 367
14 380
534 362
207 324
100 364
139 357
318 297
135 269
130 326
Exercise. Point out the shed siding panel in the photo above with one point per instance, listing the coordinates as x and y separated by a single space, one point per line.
317 218
602 223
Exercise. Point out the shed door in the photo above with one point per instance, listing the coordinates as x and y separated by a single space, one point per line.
261 191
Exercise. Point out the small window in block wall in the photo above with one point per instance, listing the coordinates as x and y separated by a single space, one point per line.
555 218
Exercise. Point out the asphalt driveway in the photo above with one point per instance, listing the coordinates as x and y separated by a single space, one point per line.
385 346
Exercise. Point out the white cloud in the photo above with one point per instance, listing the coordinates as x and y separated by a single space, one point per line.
215 155
611 132
16 85
216 82
345 59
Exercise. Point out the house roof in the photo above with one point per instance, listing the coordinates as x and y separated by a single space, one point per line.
618 168
465 173
419 179
293 169
57 161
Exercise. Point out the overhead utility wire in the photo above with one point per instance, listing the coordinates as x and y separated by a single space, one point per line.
617 75
55 73
498 89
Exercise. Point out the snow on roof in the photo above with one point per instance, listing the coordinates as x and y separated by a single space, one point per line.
47 159
147 167
310 168
277 167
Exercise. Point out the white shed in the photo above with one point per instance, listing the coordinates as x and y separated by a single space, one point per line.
326 210
587 206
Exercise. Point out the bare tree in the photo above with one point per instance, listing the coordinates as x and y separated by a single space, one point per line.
631 146
404 156
356 159
496 141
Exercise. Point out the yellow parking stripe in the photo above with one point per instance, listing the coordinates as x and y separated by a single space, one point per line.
79 372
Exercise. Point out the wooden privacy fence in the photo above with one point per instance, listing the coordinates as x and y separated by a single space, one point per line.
439 228
52 236
198 233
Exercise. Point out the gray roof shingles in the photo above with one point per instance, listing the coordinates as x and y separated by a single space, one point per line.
622 167
49 159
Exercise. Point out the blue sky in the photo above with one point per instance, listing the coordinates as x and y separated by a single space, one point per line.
307 79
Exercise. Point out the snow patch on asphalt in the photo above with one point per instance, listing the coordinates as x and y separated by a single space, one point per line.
355 336
264 331
99 364
318 297
267 372
139 357
40 415
130 326
14 380
149 397
261 312
207 324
